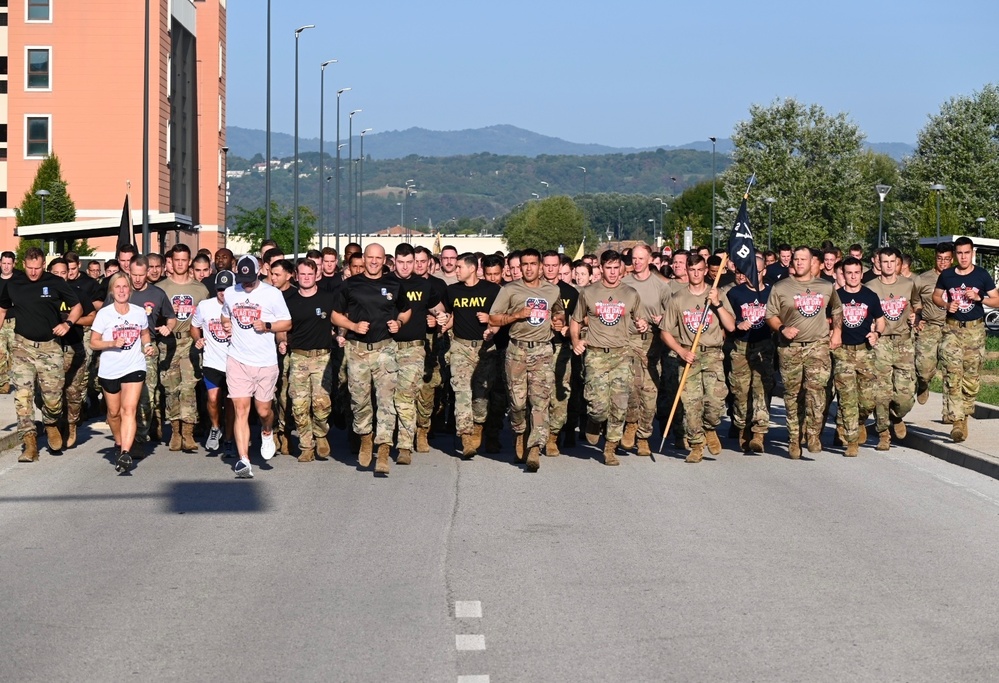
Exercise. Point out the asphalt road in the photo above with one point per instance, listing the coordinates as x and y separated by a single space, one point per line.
738 568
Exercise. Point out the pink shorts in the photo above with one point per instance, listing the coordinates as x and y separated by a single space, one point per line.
246 381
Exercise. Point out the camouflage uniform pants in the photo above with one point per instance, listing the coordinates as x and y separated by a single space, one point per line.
41 361
856 382
473 372
367 368
558 413
149 401
310 384
76 369
283 417
704 394
179 382
429 382
669 388
929 359
6 351
529 380
752 382
962 351
805 369
610 377
644 393
410 358
895 367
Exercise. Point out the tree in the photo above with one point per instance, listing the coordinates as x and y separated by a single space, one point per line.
808 161
547 224
251 225
59 207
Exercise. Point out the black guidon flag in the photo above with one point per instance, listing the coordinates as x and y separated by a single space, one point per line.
741 248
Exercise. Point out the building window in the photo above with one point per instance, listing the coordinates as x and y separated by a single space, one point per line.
38 68
3 18
3 154
3 86
37 135
3 133
39 10
3 200
3 65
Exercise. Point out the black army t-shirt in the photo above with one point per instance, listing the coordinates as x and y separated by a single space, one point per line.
956 288
39 304
422 297
465 303
362 298
311 329
860 310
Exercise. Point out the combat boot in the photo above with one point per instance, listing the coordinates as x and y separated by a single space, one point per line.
477 436
281 443
712 442
54 437
609 457
922 392
467 446
593 429
756 443
188 443
533 459
862 433
353 442
322 448
175 435
422 443
630 433
382 464
551 447
405 457
814 444
30 453
71 435
518 446
794 450
643 447
308 455
960 431
884 440
852 449
899 429
696 453
364 453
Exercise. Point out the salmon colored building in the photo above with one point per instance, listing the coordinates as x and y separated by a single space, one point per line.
74 73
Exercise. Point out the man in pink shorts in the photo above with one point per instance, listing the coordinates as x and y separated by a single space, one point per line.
252 312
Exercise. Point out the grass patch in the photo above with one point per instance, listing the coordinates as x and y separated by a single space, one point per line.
990 364
989 393
992 342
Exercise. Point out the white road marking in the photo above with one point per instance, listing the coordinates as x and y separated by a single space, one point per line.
946 480
467 609
473 679
470 642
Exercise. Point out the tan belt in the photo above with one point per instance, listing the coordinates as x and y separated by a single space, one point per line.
310 353
965 323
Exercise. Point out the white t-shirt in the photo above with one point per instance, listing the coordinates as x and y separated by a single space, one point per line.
208 319
111 325
247 346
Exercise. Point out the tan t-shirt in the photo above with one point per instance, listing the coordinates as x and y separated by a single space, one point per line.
654 293
611 311
925 284
684 314
896 302
544 302
804 306
184 299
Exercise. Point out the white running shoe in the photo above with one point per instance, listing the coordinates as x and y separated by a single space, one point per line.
267 447
214 436
243 470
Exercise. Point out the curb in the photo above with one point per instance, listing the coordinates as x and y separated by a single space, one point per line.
933 443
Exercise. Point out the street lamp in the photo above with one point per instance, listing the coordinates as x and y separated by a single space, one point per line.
267 161
350 167
42 194
545 183
536 195
298 33
360 186
653 221
402 215
731 211
583 169
770 201
662 209
713 140
882 191
981 226
938 188
338 146
322 156
327 240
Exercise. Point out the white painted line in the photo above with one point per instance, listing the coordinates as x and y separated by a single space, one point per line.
469 642
473 679
467 609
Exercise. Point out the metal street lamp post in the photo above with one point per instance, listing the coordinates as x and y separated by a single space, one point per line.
583 169
267 161
42 195
402 215
298 33
713 140
882 191
338 147
360 186
536 195
327 237
981 226
545 183
938 188
322 156
350 170
770 221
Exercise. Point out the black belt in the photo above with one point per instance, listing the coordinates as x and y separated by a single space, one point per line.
370 346
965 323
530 344
905 335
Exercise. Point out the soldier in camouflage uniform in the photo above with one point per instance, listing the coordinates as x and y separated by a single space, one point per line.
492 271
797 311
962 289
6 331
853 362
930 327
608 307
894 357
436 345
704 393
38 355
281 275
558 413
533 310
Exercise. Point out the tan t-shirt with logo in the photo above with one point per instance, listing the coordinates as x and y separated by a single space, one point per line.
804 306
896 302
184 299
925 284
543 301
684 314
610 312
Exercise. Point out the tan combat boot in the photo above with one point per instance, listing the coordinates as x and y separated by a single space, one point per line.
364 454
405 457
756 443
322 448
308 455
960 431
922 392
551 447
382 464
54 437
71 435
187 437
593 429
712 442
477 436
884 440
852 449
862 432
696 453
533 459
630 433
280 443
840 438
609 457
900 430
794 450
467 446
814 444
175 435
643 447
30 453
518 446
422 444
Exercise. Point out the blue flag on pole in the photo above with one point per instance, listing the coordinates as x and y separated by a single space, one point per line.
742 248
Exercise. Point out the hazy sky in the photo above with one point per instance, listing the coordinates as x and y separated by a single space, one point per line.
627 74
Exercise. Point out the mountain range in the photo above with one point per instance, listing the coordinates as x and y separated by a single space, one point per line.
499 139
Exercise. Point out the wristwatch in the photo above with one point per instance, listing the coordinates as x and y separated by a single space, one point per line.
267 326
